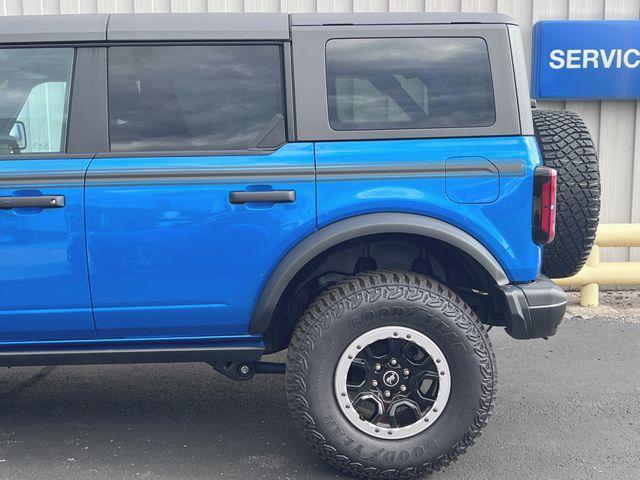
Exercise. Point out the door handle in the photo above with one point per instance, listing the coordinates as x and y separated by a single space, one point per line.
265 196
40 201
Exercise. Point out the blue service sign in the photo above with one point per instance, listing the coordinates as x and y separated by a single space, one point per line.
586 59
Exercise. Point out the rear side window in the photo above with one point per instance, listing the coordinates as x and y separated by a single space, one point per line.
190 98
34 99
409 83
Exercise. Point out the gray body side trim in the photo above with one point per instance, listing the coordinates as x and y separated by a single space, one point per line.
401 169
399 18
273 173
198 26
354 227
197 175
230 174
53 28
312 118
31 179
522 80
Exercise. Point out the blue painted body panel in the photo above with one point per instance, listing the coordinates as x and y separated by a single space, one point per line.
172 257
44 291
503 226
171 260
482 186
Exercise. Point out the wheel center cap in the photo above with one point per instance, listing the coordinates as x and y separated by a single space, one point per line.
391 378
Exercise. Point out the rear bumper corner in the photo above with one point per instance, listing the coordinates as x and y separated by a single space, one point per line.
533 310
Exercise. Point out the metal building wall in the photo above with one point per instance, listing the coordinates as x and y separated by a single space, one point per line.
615 125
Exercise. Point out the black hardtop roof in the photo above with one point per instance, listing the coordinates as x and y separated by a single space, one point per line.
205 26
396 18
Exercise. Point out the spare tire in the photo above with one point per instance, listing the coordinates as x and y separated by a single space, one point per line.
567 147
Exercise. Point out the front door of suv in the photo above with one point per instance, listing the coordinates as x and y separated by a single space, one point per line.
200 194
44 292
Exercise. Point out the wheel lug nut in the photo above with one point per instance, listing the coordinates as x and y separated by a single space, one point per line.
378 367
374 383
387 393
403 388
393 362
406 372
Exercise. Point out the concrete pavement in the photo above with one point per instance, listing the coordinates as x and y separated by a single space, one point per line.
567 408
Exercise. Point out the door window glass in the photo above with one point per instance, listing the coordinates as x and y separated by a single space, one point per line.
409 83
190 98
34 99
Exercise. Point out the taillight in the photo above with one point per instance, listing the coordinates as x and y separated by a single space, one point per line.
544 205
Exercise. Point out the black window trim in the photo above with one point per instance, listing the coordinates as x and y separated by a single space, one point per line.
82 119
88 118
68 98
308 47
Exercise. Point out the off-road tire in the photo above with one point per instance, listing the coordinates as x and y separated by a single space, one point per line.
567 147
360 304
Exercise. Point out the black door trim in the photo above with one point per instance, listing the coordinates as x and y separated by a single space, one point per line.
40 201
267 196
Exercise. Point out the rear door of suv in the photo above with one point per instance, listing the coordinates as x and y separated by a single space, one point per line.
201 191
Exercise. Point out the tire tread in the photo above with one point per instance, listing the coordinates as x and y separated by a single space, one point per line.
567 147
348 294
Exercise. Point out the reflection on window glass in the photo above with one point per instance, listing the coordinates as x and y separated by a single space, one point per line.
177 98
34 99
405 83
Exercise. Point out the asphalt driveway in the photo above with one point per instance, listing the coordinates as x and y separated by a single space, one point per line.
568 408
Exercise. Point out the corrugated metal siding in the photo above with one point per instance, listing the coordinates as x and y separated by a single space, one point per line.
614 125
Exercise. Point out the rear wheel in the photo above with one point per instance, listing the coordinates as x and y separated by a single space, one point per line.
390 374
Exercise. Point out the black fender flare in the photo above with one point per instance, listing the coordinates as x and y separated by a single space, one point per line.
359 226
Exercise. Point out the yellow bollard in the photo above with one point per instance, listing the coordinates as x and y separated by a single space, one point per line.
595 274
589 293
619 235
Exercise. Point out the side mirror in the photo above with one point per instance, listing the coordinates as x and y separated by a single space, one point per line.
19 132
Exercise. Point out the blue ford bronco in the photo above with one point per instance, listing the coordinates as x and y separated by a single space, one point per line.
372 192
